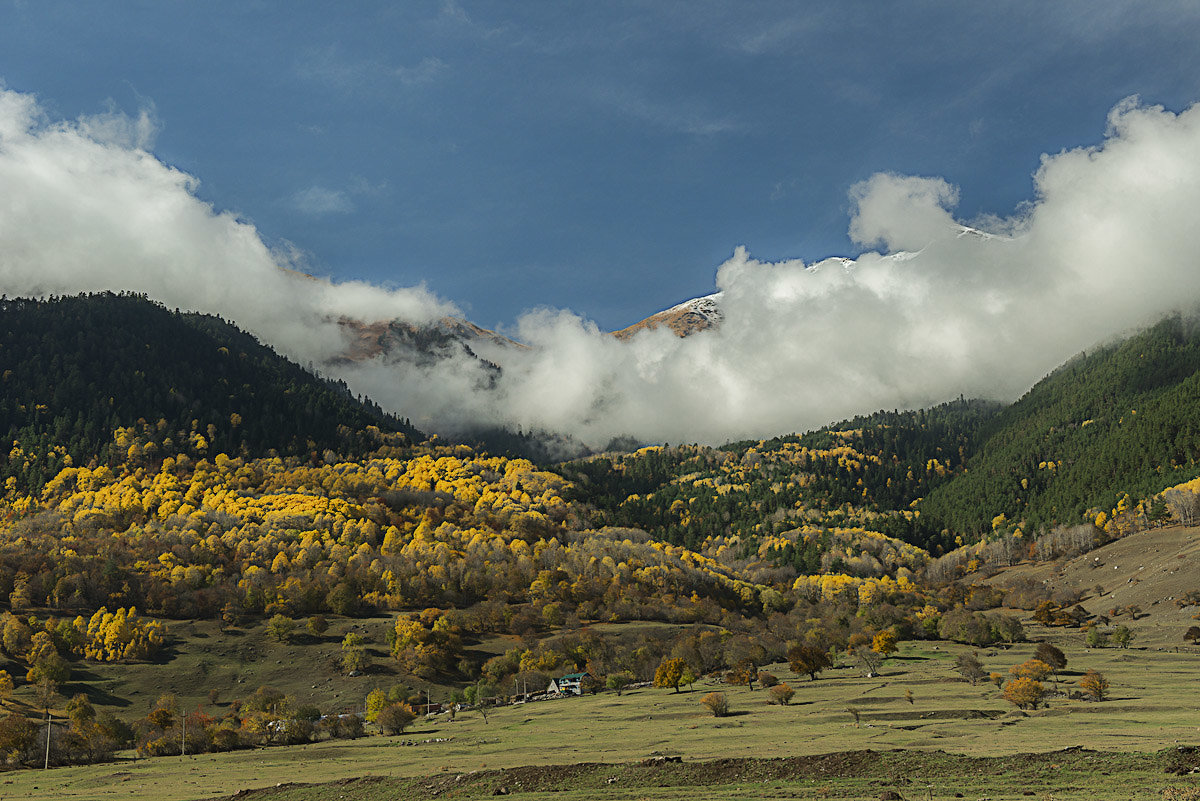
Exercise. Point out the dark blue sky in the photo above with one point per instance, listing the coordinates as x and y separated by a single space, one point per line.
602 157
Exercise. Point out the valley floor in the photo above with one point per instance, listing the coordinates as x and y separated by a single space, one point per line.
947 724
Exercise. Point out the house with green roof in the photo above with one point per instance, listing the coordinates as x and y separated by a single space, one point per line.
570 684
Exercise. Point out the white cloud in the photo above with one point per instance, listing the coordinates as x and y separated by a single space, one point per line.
84 208
425 71
671 115
330 66
1108 243
901 212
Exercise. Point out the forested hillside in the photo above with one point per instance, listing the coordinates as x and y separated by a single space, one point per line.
233 478
75 369
168 466
1107 430
170 463
863 473
1121 420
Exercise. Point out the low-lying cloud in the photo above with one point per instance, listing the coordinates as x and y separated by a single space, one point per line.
934 310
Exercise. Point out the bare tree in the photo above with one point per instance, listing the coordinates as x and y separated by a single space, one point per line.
1184 504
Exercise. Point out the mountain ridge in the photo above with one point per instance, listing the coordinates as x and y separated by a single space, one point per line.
76 368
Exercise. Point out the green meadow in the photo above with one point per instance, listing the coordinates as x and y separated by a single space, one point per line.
930 734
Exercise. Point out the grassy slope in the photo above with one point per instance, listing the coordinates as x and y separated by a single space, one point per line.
1148 570
239 661
1147 712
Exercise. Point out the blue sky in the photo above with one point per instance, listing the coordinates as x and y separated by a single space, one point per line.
599 157
548 168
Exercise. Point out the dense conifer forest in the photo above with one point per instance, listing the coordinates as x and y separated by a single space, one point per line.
1121 420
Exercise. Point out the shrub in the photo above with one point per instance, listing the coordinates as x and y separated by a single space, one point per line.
781 694
226 738
618 681
766 679
1052 656
307 712
280 627
355 658
669 673
1122 636
743 674
394 719
884 643
17 736
343 727
970 667
978 629
808 658
717 703
297 730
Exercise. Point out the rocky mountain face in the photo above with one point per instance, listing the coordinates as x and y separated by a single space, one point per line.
397 341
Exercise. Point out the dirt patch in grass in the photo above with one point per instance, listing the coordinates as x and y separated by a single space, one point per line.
898 768
936 714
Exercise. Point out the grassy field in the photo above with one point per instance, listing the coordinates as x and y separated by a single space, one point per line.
1153 706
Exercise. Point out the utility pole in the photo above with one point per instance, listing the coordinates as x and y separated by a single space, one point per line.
183 737
48 718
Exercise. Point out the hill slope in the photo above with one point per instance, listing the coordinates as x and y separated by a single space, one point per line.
865 472
1122 419
1142 581
74 369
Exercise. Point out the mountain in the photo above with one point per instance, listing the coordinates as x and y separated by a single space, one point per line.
685 319
75 369
398 341
172 463
1119 420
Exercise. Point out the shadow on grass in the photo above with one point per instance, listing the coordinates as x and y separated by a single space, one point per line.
79 683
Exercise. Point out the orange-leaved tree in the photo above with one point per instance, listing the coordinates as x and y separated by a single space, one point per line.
1024 693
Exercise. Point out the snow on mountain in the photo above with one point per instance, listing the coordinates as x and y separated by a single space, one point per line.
685 319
